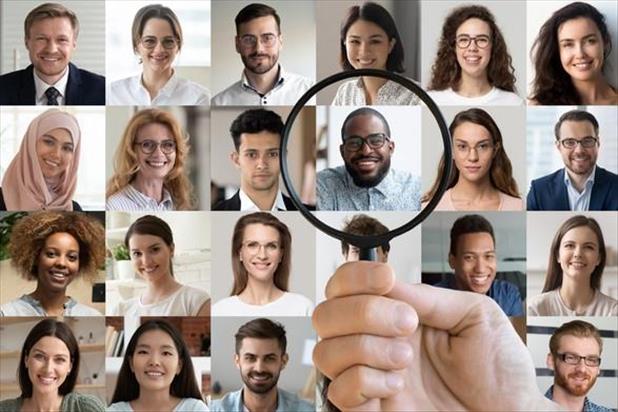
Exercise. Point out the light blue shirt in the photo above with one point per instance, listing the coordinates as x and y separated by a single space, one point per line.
185 405
286 402
397 191
579 202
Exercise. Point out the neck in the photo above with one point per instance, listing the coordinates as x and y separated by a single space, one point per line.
263 199
473 86
153 188
51 80
372 86
154 81
158 289
154 400
479 190
259 293
593 91
43 402
52 302
263 82
260 402
567 400
576 294
578 181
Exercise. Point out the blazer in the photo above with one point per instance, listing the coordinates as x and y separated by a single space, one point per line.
233 203
550 193
83 88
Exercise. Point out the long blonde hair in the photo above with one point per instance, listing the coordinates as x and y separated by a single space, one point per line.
125 158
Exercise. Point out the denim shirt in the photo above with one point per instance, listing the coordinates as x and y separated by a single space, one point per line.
588 405
286 402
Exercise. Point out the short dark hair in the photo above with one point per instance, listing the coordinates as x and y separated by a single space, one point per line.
378 15
253 11
57 329
576 116
261 328
365 111
184 384
255 121
469 224
363 225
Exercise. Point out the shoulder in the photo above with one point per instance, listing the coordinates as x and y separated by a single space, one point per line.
505 287
198 94
8 78
10 405
292 402
298 79
227 95
547 179
18 307
80 402
226 306
192 405
607 304
606 174
331 173
84 310
300 302
505 97
194 296
121 200
123 83
229 402
511 202
119 406
538 305
91 78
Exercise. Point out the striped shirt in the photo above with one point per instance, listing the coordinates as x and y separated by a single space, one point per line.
129 199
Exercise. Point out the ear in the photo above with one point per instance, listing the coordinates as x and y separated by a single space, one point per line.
234 158
237 361
284 360
237 44
392 45
280 41
179 368
549 361
451 261
391 146
172 248
131 364
341 150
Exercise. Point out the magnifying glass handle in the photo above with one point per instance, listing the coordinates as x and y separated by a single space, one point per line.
367 254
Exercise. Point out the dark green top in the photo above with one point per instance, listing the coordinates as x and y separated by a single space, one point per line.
72 402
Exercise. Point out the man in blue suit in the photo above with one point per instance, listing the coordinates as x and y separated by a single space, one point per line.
51 32
581 185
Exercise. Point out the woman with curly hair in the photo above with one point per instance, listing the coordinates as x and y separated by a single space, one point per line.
149 165
473 65
569 58
481 177
54 249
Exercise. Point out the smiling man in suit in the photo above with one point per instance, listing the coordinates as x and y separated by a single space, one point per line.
51 32
581 185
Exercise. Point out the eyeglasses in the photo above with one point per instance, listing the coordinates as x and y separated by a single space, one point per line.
253 247
374 141
586 142
266 39
573 359
150 42
463 41
149 146
481 148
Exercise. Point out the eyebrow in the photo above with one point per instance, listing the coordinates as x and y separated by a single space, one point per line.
64 355
355 36
479 142
149 246
583 38
143 345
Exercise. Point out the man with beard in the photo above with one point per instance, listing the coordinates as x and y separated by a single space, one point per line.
263 81
575 357
581 185
367 182
260 357
51 38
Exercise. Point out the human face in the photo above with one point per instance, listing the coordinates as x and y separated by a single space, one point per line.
58 262
261 251
581 49
473 151
55 151
50 43
257 159
151 256
475 262
156 165
157 59
354 253
578 255
579 160
367 45
48 364
156 361
367 166
578 379
473 59
259 42
260 362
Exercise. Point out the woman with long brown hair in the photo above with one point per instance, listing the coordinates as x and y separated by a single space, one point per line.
261 260
473 65
481 173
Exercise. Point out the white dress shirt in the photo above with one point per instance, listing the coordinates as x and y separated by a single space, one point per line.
247 205
41 87
177 91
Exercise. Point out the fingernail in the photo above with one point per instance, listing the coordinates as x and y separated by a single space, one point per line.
400 352
394 381
404 320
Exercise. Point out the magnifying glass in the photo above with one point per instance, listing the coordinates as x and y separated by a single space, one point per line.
366 244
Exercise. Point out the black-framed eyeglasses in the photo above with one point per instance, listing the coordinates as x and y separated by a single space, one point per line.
149 146
150 42
250 41
573 359
481 41
586 142
374 141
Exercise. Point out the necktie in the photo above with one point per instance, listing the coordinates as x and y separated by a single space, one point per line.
52 95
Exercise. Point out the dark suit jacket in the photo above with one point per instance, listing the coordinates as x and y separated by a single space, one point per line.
83 88
233 203
76 206
550 193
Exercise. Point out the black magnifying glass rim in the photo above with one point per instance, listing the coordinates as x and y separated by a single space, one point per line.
370 241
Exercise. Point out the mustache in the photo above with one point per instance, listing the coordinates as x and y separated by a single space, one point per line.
360 158
254 55
579 375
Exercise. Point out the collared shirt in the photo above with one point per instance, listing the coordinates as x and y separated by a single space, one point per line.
579 201
397 191
26 305
286 402
177 91
504 293
352 93
588 405
288 88
129 199
247 205
41 87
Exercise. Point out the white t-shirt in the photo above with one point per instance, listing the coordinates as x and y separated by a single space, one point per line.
551 304
185 405
177 92
289 304
186 301
495 97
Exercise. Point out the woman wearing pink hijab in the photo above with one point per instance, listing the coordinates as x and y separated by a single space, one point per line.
43 173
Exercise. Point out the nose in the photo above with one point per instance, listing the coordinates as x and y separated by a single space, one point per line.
262 162
262 252
47 367
153 359
579 49
61 260
365 148
473 153
259 365
363 47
